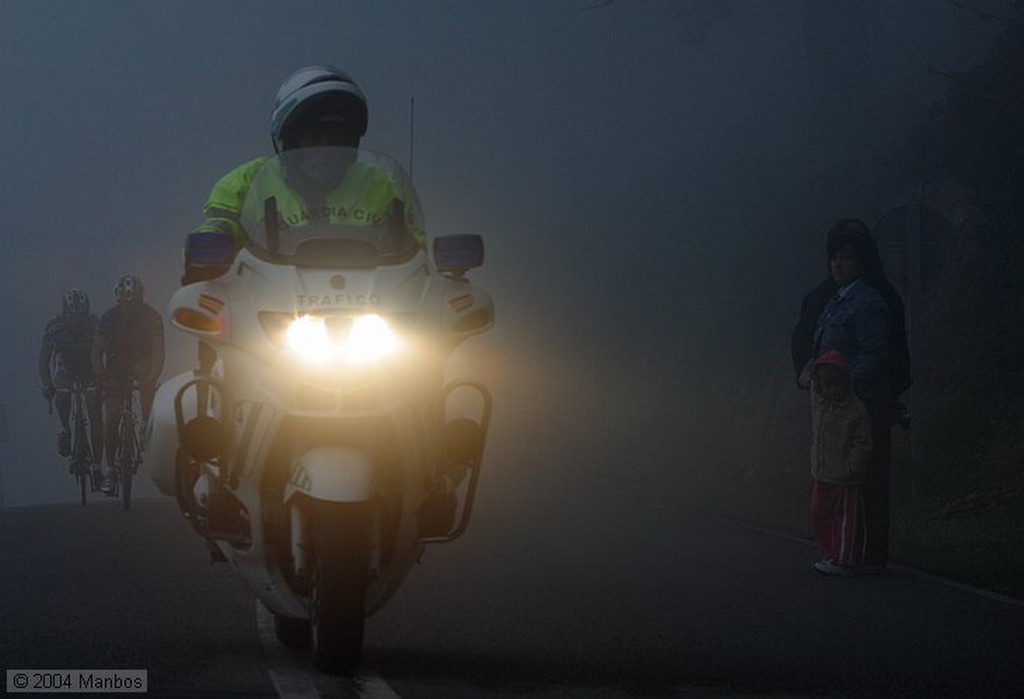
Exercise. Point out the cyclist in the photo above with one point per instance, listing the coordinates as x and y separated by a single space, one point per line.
63 360
129 346
315 106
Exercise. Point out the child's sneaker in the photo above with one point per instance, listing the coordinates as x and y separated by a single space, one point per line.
832 568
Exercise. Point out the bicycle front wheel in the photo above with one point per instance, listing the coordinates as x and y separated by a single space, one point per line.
126 488
127 449
80 454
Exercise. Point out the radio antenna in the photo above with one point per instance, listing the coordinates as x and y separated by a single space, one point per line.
412 134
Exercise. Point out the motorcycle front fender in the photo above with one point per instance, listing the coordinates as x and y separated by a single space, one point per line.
334 474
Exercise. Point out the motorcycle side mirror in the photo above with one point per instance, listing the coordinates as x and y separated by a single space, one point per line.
207 256
456 254
209 248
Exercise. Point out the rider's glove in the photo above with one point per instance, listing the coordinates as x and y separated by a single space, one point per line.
49 391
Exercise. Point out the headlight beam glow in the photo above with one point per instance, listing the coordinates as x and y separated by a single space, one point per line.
369 338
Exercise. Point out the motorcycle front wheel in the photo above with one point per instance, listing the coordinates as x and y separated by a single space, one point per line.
340 575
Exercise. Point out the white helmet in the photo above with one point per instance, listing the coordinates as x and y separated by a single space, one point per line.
75 302
129 289
312 94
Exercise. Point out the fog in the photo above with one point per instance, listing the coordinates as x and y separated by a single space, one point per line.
653 180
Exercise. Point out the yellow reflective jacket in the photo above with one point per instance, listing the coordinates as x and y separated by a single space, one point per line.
365 197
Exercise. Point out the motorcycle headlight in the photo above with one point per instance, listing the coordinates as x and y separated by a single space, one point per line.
353 340
370 338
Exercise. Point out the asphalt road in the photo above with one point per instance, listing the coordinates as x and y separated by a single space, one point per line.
585 595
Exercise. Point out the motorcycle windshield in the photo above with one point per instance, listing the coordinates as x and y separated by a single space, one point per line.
332 207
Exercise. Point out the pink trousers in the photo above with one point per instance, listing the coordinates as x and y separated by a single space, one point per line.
838 515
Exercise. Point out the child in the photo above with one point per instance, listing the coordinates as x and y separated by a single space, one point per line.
840 447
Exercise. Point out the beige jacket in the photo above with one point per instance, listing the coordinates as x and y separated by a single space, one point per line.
840 439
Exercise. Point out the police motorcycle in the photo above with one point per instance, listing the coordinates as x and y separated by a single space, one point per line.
316 446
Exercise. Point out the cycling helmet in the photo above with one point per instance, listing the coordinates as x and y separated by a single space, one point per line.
75 302
317 94
128 289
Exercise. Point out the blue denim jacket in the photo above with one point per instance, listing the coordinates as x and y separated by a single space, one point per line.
857 324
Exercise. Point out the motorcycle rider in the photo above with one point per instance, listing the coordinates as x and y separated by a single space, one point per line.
319 106
315 106
129 346
64 358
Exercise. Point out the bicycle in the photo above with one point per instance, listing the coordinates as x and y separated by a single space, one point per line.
80 459
128 454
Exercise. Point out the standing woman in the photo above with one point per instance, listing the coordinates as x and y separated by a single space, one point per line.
870 334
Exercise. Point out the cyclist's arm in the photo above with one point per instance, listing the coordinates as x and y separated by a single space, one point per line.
99 350
45 355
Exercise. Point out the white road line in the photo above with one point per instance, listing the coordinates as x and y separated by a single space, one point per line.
979 591
370 685
289 681
293 683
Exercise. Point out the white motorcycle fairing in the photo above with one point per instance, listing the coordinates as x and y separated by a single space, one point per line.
335 474
312 447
